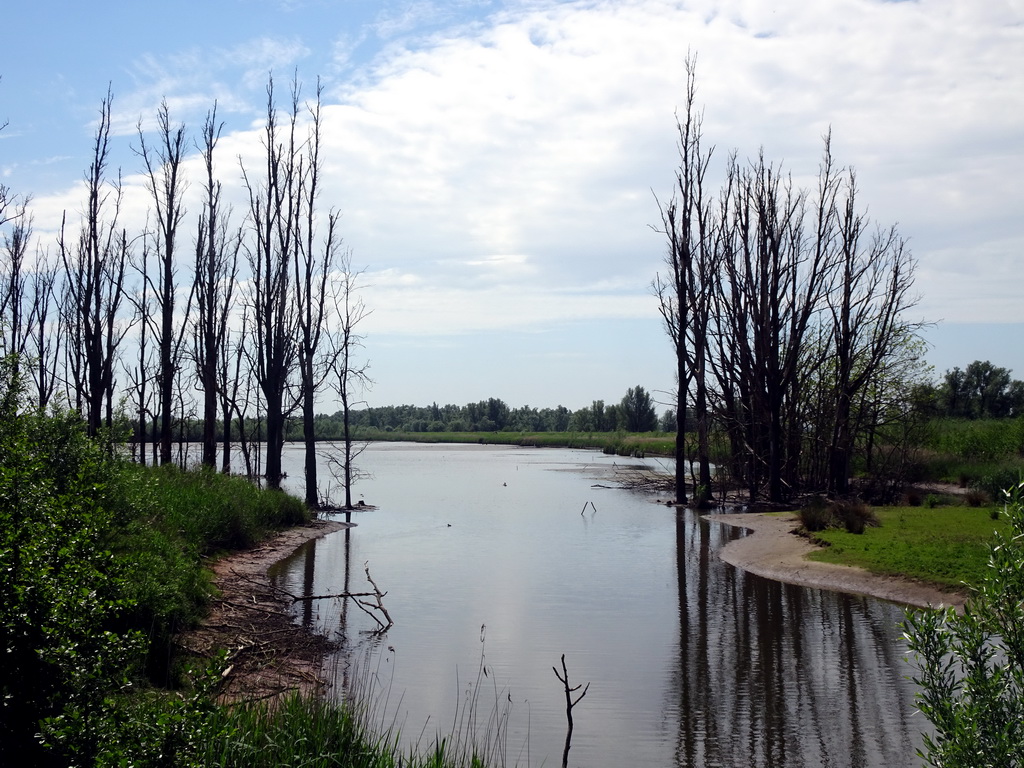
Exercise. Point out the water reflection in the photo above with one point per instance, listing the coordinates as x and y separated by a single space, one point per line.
693 662
771 674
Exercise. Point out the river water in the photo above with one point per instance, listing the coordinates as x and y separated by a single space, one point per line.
500 560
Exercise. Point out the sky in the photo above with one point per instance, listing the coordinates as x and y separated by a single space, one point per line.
498 165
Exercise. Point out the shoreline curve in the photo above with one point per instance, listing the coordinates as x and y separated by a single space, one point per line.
773 551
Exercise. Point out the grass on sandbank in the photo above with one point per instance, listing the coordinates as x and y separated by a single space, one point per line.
948 546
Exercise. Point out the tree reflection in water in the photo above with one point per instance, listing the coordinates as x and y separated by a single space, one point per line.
771 674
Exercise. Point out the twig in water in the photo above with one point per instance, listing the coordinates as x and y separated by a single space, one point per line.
569 704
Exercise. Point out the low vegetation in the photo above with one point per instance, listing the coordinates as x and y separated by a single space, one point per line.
947 545
620 443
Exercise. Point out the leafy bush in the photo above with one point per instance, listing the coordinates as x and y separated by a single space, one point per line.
101 566
996 479
971 664
63 592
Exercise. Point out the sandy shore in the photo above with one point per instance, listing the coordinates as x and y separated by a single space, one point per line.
773 551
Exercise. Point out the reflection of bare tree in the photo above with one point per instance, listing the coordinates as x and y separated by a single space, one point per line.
772 674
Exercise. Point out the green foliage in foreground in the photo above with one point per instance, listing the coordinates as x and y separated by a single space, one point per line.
971 665
101 566
189 731
945 545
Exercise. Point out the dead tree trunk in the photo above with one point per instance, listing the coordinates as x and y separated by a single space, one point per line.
563 678
163 169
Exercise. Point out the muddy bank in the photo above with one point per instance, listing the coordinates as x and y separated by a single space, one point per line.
268 654
775 552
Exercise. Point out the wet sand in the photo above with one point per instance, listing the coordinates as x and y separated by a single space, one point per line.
775 552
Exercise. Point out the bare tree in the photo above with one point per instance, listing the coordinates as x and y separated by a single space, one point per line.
163 171
315 259
274 208
773 285
94 270
45 336
27 288
866 304
349 374
216 270
14 285
6 196
684 294
141 375
786 316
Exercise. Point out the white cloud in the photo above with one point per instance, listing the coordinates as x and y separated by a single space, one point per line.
500 174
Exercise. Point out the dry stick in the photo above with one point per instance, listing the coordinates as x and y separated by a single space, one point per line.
569 704
588 504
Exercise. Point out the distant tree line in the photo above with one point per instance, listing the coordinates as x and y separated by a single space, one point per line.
636 412
980 391
238 320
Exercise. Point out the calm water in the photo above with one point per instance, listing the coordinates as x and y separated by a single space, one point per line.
486 557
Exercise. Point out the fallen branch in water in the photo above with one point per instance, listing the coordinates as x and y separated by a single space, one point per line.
374 609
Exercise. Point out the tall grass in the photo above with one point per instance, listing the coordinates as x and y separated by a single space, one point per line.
985 454
207 510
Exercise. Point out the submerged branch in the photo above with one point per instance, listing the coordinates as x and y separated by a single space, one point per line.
374 609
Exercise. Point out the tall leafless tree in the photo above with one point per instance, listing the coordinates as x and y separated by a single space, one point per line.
45 336
140 375
315 259
216 271
684 293
349 373
15 276
163 165
787 315
274 211
94 268
867 306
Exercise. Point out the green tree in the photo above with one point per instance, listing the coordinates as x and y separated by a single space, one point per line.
972 663
981 391
638 411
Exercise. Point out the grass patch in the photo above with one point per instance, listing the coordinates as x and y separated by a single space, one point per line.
948 546
619 443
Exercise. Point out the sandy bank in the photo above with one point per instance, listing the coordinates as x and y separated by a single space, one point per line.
773 551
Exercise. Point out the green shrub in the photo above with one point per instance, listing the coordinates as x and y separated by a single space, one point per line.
100 564
993 481
971 664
